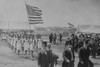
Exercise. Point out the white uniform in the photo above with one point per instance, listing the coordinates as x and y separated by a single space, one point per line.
39 43
19 44
15 42
26 45
7 38
23 41
12 41
32 44
3 36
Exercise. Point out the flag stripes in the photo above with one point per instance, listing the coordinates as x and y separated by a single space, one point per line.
33 10
35 17
35 20
34 14
36 23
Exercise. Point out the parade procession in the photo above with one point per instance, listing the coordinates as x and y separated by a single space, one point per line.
49 33
31 46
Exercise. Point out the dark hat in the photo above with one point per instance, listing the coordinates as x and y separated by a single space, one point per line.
45 43
49 45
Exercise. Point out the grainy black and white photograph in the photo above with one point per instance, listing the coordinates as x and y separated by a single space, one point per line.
49 33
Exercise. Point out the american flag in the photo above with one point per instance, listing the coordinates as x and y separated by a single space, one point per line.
34 14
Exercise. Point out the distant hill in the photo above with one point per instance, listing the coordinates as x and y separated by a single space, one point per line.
52 29
89 28
46 30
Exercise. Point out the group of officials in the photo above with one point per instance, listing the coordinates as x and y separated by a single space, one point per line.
92 39
86 45
84 54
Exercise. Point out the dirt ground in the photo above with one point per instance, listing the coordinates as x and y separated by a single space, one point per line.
10 59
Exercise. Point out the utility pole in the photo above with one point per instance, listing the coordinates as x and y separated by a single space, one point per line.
8 26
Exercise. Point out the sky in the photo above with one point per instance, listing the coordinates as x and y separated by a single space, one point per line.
55 12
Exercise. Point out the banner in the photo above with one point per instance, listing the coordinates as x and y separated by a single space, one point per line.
34 14
71 25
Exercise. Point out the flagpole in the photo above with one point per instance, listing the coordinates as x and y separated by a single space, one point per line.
8 25
34 28
27 17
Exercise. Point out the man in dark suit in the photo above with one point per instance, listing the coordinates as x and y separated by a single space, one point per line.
44 58
51 38
53 57
60 37
84 54
68 57
54 38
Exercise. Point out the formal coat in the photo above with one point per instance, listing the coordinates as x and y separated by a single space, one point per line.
84 60
51 38
60 37
68 55
52 58
43 59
